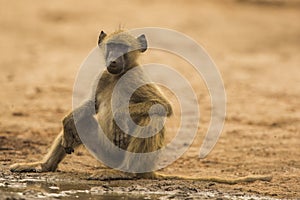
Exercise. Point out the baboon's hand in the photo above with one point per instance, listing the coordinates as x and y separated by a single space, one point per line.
70 137
157 109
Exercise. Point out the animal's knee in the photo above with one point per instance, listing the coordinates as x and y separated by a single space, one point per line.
70 138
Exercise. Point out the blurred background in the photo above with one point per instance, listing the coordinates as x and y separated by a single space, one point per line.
254 43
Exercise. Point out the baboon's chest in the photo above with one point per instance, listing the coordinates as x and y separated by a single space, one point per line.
106 120
125 93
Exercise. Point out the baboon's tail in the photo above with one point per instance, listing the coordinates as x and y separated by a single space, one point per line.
231 181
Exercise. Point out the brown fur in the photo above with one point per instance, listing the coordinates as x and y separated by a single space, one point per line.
140 103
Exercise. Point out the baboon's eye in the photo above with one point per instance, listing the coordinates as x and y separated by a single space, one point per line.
109 46
123 48
118 47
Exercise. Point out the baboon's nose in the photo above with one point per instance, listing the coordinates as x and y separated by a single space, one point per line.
112 64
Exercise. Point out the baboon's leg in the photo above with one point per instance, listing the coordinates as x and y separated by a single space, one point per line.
50 161
56 153
64 143
143 162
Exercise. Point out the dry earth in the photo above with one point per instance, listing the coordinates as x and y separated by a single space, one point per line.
255 45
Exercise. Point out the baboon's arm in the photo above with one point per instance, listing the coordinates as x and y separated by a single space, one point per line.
85 111
143 108
70 137
147 96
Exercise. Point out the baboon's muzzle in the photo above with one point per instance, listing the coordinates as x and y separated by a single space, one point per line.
115 66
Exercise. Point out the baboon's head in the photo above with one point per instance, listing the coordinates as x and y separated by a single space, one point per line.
121 50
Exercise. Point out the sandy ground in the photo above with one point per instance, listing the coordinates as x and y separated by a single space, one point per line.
255 45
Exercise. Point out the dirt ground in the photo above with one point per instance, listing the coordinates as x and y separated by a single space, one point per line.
255 45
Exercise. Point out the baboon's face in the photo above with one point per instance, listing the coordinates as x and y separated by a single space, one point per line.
121 50
116 57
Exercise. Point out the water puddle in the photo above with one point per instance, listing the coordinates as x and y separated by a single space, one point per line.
36 187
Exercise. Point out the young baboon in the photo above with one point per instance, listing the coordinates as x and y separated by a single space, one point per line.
121 51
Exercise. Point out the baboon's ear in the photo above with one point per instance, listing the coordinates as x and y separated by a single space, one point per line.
101 37
143 42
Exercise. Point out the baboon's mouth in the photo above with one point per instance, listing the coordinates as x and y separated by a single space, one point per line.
113 65
114 69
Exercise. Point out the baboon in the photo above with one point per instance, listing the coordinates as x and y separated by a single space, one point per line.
121 51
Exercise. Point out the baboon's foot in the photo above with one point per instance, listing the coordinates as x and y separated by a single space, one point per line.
110 174
27 167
